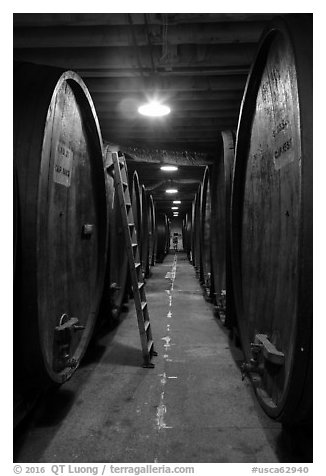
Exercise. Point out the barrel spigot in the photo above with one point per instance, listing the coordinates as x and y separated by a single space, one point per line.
250 367
63 334
262 351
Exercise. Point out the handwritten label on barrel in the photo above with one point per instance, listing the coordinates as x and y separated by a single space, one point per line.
283 143
277 110
283 154
63 165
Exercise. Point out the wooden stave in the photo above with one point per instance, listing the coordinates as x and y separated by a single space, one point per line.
193 241
145 233
197 234
187 235
152 230
137 211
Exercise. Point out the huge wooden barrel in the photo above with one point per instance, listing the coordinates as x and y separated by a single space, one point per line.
151 230
117 269
162 237
222 176
62 223
205 268
272 220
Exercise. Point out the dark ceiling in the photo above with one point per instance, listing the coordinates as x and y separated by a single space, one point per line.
197 63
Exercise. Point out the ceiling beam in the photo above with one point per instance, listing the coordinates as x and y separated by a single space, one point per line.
181 121
120 58
189 195
128 106
220 97
182 207
166 85
177 115
180 136
112 35
167 202
164 134
163 184
230 120
179 18
149 173
163 156
175 72
184 140
94 19
209 149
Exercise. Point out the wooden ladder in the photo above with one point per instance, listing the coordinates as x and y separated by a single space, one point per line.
119 173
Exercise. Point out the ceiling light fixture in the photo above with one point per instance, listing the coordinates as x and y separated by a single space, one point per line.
177 202
171 190
169 168
174 208
154 109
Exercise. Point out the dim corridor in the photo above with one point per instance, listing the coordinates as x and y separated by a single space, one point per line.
192 407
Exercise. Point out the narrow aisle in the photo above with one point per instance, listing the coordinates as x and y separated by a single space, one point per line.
208 414
192 407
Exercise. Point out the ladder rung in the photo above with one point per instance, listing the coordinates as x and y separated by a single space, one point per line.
143 305
147 324
149 345
131 224
134 245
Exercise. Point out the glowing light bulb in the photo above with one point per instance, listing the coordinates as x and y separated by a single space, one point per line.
154 109
169 168
171 190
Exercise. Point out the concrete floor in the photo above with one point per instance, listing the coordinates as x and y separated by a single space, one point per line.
192 407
